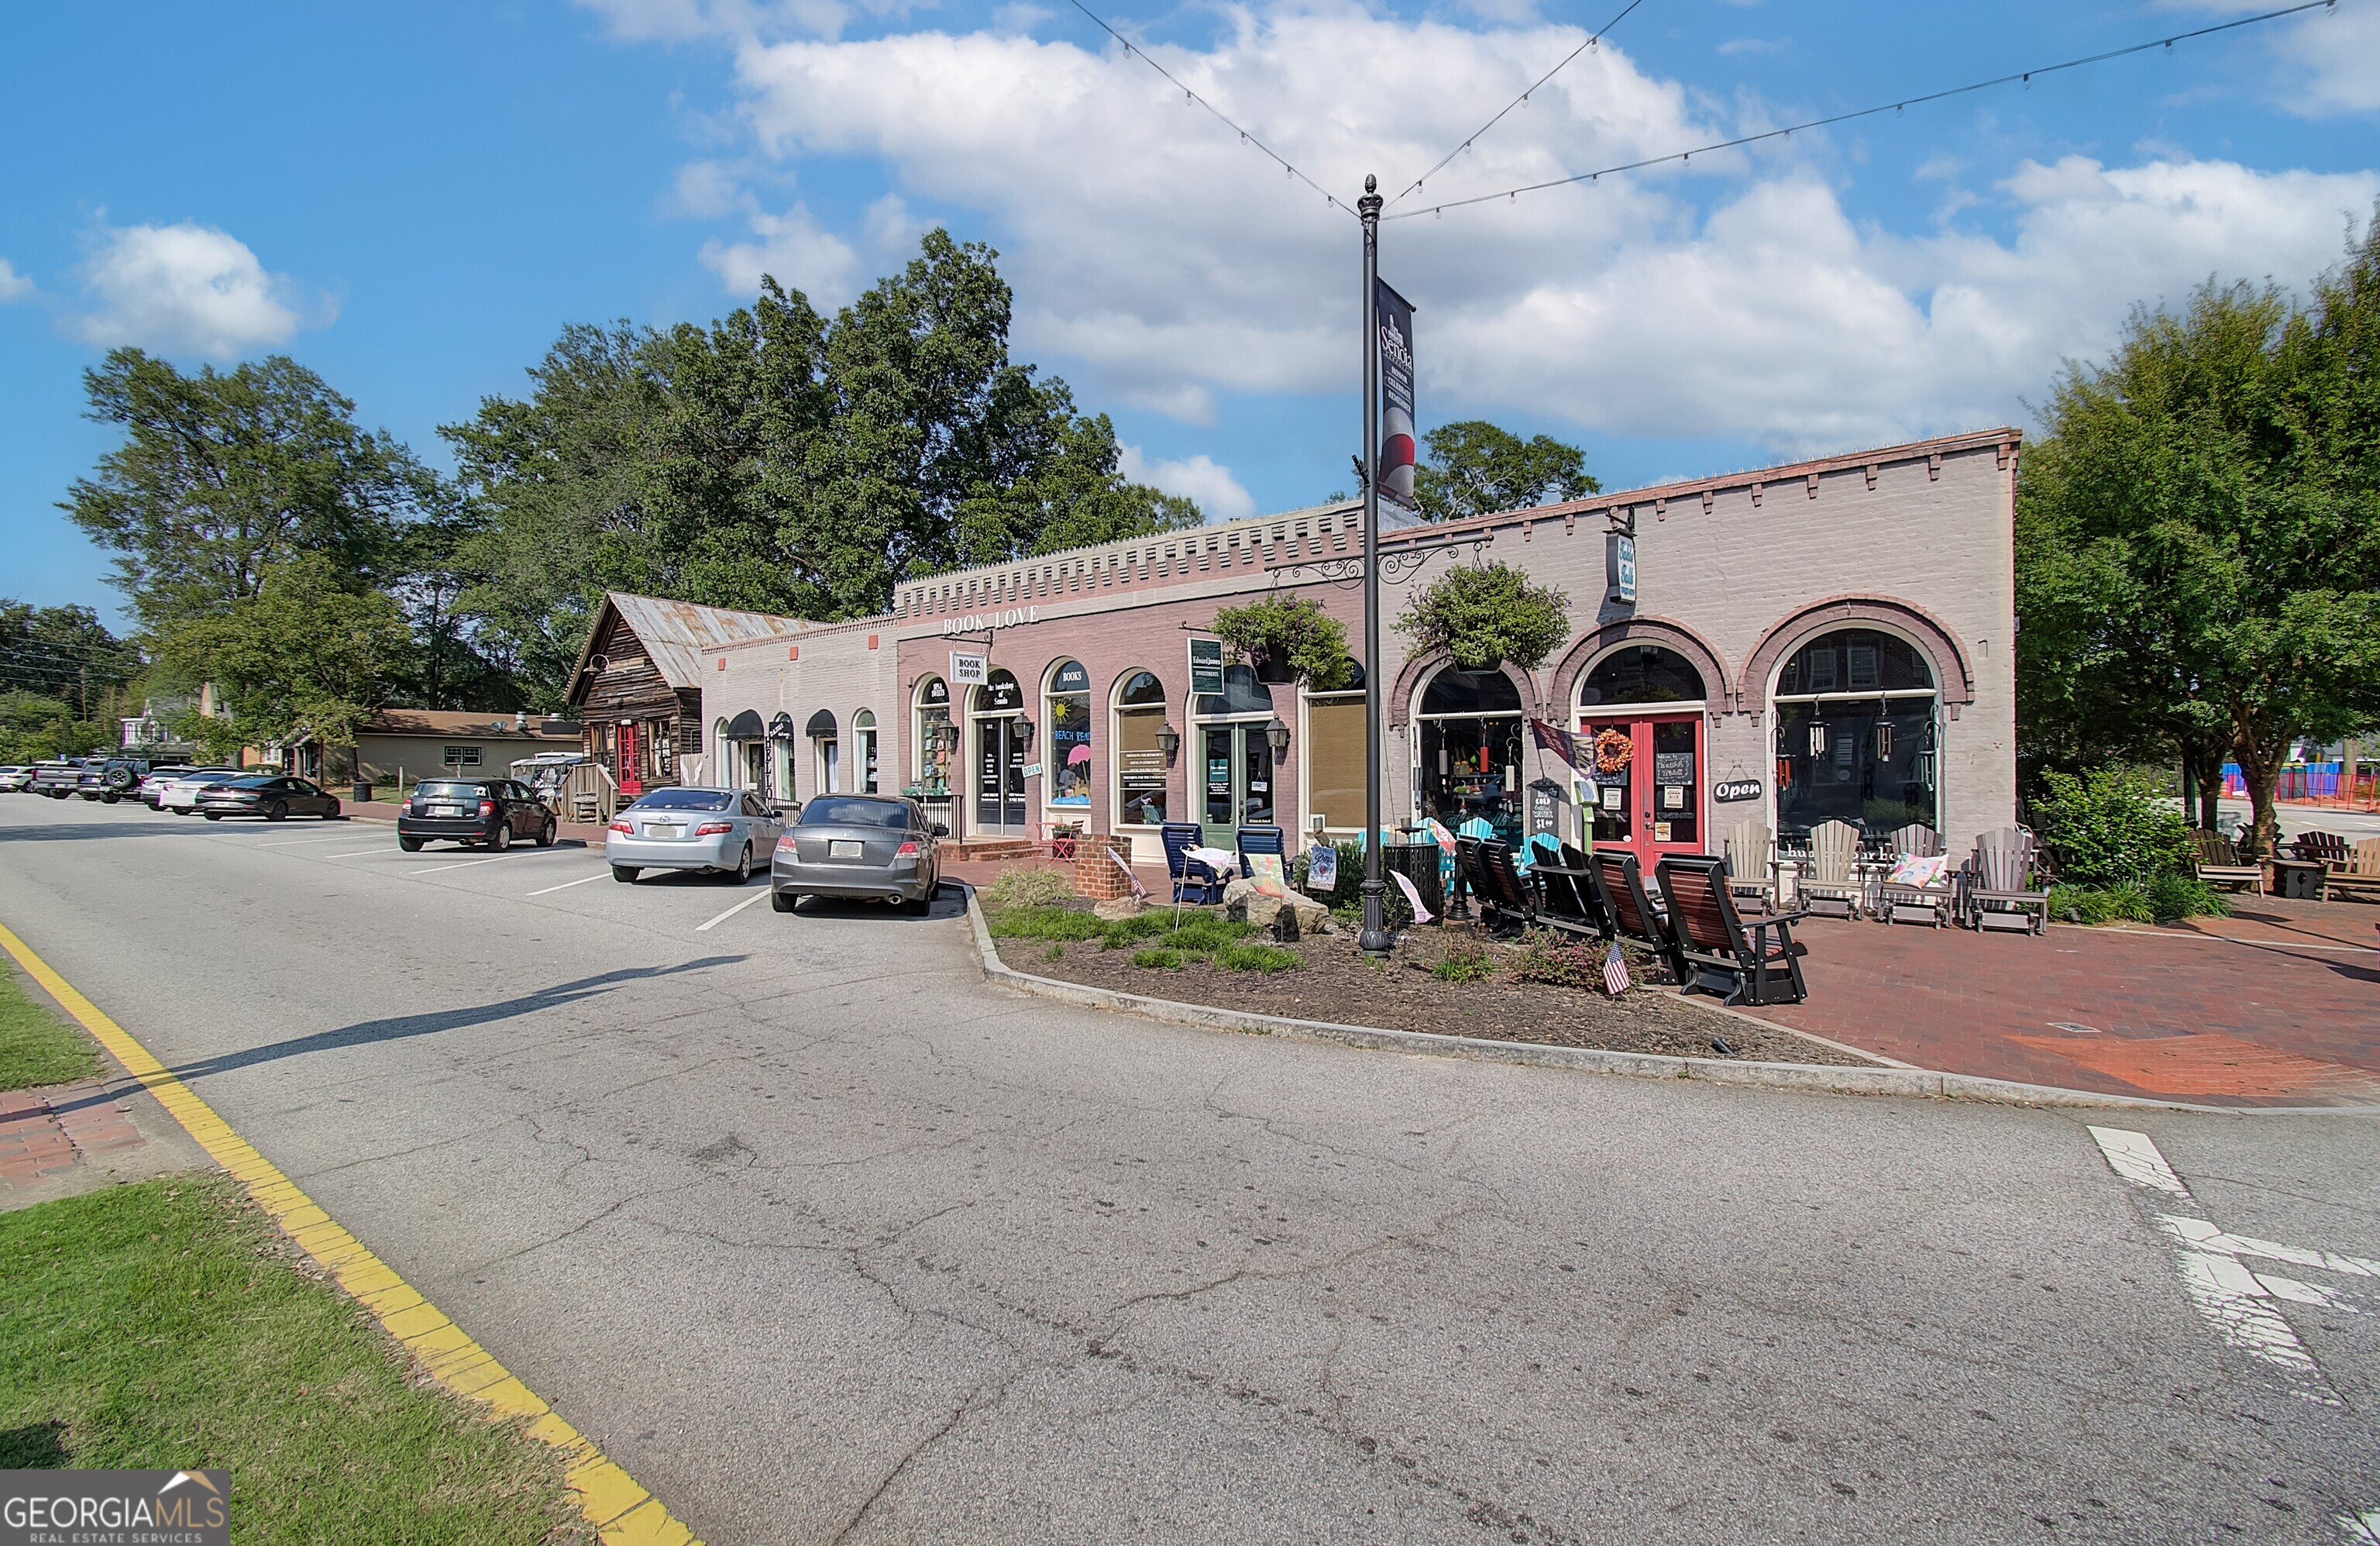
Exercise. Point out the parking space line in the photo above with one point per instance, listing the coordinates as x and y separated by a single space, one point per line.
567 885
764 891
462 864
361 852
306 841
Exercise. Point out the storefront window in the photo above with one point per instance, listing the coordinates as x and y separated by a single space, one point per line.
1334 756
863 730
1235 767
1470 745
1641 673
933 738
1141 773
1865 755
1068 754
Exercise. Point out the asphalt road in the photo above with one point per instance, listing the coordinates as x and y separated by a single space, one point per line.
825 1240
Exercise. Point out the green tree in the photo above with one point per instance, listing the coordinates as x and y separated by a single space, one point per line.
2199 536
1476 469
62 652
33 727
222 476
306 658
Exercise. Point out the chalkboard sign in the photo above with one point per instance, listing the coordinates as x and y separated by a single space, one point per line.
1545 800
1674 767
1736 789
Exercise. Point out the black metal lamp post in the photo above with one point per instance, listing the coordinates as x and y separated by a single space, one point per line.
1169 741
1375 939
1277 736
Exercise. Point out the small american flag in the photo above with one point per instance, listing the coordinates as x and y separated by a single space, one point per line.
1615 971
1137 889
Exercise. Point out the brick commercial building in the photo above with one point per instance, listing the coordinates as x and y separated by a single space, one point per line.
1830 640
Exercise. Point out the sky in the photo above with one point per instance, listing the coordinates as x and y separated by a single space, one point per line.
414 199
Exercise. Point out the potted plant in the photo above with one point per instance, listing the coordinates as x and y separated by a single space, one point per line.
1484 614
1284 638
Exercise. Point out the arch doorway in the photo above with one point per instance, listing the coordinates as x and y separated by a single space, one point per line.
1002 735
1470 747
1643 708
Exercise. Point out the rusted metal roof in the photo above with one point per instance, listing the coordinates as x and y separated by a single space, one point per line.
468 721
678 634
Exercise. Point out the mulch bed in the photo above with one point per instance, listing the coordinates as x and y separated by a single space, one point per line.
1336 985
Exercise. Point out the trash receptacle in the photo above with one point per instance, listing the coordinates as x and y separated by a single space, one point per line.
360 793
1417 862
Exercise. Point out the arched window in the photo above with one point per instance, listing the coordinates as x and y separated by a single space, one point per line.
1640 673
863 732
934 740
1068 752
1241 694
1470 748
826 750
1858 729
998 738
1142 770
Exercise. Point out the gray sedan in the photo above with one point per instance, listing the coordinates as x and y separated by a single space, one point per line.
869 845
722 831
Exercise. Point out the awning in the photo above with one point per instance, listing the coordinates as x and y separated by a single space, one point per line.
781 727
821 726
744 727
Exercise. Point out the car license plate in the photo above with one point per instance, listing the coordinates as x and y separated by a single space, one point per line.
843 847
659 829
448 810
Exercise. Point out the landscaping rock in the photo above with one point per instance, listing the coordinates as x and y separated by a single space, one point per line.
1117 909
1290 918
1244 904
1302 918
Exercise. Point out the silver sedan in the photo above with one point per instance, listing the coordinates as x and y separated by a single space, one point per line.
866 846
720 831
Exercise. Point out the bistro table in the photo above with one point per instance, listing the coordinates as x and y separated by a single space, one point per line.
2304 879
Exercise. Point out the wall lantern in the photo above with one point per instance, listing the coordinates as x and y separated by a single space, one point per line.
1024 732
1169 741
1277 735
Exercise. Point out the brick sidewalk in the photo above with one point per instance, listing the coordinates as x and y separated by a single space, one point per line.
46 1133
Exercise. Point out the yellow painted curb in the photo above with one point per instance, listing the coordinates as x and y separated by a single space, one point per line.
623 1512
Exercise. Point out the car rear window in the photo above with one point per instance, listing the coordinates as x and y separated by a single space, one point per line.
832 812
450 791
685 799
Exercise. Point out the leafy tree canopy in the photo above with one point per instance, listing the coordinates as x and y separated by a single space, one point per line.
780 462
33 727
222 476
1476 469
62 653
2198 540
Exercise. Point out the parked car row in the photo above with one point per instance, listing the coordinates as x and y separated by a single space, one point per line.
214 793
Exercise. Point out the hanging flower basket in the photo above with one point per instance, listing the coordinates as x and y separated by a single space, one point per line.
1286 638
1487 614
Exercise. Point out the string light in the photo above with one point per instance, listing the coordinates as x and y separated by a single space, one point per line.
1192 99
1894 107
1520 101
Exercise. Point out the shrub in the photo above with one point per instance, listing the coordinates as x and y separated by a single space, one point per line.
1483 615
2108 828
2096 905
1029 886
1267 958
1463 963
1125 933
1056 952
2175 897
1169 960
1044 923
1346 899
1545 957
1290 631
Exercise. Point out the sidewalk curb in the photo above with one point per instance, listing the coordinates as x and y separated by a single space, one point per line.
622 1513
1811 1078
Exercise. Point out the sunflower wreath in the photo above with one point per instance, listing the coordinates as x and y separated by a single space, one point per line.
1614 749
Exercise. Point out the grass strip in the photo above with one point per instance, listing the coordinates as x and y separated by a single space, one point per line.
170 1324
37 1045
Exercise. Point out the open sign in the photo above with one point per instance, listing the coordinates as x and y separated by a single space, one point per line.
1736 789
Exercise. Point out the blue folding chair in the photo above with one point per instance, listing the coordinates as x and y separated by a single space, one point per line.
1194 879
1261 840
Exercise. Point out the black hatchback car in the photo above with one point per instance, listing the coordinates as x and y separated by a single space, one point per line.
467 810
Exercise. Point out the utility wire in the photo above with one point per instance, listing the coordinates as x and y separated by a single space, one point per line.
1516 102
2025 76
1192 97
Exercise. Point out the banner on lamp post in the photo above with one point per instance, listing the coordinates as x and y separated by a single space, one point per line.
1396 427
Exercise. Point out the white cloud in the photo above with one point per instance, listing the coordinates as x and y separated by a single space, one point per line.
2338 50
802 255
705 190
1755 46
1143 239
1199 477
13 285
189 287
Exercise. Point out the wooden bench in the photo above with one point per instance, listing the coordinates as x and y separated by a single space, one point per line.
1754 963
1619 885
2361 877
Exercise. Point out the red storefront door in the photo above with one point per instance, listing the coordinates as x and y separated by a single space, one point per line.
1649 785
629 760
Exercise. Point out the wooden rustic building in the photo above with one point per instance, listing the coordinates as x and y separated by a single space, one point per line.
637 688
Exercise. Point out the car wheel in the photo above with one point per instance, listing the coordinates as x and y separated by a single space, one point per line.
331 811
545 834
109 799
783 901
410 845
280 812
922 907
624 873
501 838
211 815
743 871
